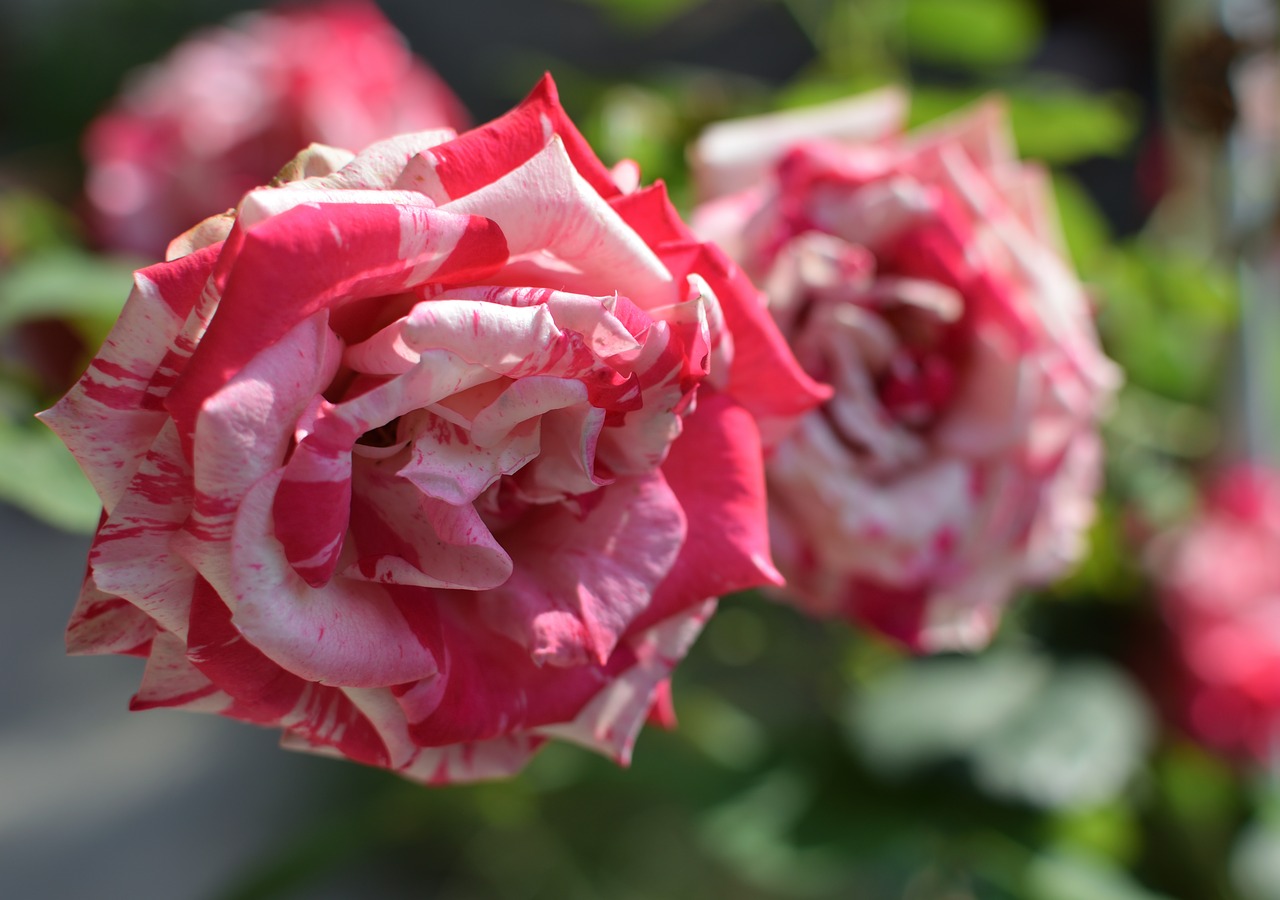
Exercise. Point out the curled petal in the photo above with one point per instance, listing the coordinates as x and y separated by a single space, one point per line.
407 537
446 463
102 623
239 437
110 417
345 633
312 507
563 231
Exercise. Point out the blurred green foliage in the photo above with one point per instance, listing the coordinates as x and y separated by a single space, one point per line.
642 15
995 32
57 303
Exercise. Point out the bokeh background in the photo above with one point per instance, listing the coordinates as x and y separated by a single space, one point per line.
811 761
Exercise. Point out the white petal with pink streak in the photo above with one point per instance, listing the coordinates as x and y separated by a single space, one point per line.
102 419
346 633
239 438
565 235
131 556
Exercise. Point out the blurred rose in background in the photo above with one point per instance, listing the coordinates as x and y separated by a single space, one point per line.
190 134
1219 583
923 276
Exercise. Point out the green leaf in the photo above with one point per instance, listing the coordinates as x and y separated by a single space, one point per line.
1078 877
1077 744
1165 315
930 709
40 476
1169 426
86 291
1050 735
1255 863
1084 227
30 223
642 15
1059 124
1202 794
819 88
859 43
974 33
753 833
723 732
1053 121
639 123
1111 831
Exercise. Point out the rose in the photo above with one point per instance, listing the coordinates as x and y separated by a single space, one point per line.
1220 596
229 106
432 454
922 278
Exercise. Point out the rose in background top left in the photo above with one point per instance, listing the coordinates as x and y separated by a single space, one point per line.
222 112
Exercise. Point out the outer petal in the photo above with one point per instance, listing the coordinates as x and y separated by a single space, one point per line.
474 760
132 556
470 761
263 693
727 543
102 623
491 687
610 723
546 207
110 417
171 680
765 377
483 155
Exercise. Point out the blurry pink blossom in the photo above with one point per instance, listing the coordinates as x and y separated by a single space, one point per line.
1219 580
227 108
922 276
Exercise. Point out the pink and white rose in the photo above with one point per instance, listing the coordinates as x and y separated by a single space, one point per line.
228 107
922 277
431 452
1219 589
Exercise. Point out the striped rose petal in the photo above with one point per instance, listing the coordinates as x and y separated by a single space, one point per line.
923 277
431 454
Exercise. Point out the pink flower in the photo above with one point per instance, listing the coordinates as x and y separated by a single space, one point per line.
228 107
1220 595
923 279
432 454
